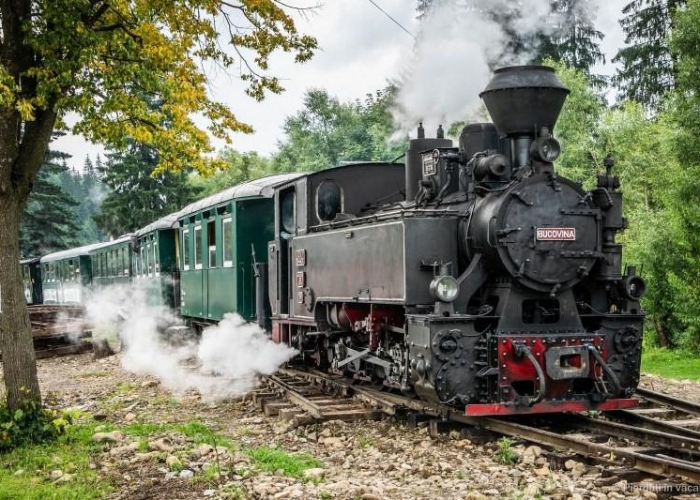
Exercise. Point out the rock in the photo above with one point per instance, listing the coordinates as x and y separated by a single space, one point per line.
579 469
532 491
129 417
315 473
108 437
326 433
149 383
333 442
533 450
312 436
370 496
64 478
492 493
208 493
474 495
186 474
648 495
541 472
172 461
570 464
100 428
204 450
161 445
99 417
56 474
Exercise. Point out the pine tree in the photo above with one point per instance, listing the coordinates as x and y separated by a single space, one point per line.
135 196
574 40
49 219
647 69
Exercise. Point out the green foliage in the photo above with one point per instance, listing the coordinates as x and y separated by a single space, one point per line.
25 471
49 220
327 132
678 364
646 65
505 454
238 167
29 424
272 459
138 195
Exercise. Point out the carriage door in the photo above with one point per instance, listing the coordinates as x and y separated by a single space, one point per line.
285 226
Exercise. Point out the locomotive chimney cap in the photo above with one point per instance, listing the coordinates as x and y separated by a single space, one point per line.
523 99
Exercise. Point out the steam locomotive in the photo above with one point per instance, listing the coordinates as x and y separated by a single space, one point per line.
473 276
490 284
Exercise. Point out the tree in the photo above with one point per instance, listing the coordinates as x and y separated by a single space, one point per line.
240 167
327 132
647 68
102 59
138 192
573 40
49 219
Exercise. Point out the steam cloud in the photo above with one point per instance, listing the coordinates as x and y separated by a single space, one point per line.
225 363
459 44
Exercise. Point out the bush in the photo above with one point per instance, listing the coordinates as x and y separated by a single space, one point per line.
29 424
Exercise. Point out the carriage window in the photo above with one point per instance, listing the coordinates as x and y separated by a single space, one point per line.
76 271
198 247
228 242
120 262
287 209
127 264
211 242
186 249
71 269
149 258
156 257
329 201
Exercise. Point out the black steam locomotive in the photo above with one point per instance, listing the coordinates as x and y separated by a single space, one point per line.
475 276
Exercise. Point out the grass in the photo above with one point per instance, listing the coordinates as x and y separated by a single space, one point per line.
70 453
272 459
505 454
671 364
97 374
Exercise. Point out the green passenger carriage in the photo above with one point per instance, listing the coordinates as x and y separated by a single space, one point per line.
216 241
66 274
112 262
155 261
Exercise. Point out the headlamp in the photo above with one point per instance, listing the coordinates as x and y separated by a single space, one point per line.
546 149
444 288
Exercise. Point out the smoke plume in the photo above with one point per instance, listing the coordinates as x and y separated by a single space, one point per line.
226 362
459 44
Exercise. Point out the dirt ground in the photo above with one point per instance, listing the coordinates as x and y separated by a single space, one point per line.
363 460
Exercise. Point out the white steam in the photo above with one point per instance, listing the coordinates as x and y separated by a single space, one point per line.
459 44
225 363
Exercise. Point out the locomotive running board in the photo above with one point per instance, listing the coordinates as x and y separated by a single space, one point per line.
493 409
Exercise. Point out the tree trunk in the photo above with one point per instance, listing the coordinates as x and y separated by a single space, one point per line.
18 360
661 333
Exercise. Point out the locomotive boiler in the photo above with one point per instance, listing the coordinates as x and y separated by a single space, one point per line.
475 276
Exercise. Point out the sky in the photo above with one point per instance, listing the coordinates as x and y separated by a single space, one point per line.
360 51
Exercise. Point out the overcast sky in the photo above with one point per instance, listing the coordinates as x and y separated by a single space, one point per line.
360 50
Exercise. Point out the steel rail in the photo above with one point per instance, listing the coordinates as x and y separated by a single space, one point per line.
651 423
660 465
666 400
674 442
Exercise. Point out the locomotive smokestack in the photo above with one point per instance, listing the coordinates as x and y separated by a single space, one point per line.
523 99
523 102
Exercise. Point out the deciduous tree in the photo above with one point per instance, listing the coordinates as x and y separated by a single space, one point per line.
103 59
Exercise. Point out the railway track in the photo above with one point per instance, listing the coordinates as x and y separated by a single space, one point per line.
660 438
